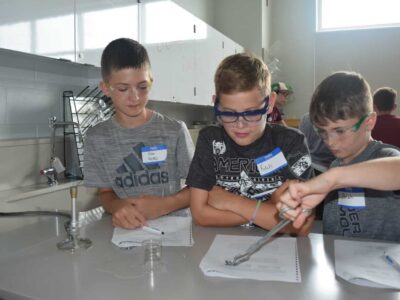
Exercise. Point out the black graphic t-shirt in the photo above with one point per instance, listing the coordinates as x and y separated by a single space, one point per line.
218 160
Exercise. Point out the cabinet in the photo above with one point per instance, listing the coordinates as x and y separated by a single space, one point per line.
43 27
100 21
211 47
167 32
184 51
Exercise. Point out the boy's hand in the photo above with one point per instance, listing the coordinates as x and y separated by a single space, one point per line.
275 197
126 215
298 197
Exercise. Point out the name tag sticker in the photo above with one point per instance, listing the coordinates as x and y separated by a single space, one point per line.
154 154
271 162
352 197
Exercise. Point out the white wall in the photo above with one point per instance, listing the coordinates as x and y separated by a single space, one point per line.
374 53
307 57
241 21
292 41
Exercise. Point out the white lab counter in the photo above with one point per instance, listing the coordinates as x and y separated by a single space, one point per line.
33 268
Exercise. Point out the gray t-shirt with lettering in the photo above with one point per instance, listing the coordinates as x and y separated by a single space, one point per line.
150 159
379 219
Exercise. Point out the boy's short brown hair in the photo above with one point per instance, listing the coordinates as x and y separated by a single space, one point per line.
240 73
341 96
123 53
385 99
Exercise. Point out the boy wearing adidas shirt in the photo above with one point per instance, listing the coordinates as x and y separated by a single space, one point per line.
138 157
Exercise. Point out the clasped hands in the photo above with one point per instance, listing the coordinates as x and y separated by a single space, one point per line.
297 201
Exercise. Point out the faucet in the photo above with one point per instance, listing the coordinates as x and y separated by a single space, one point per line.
56 166
51 175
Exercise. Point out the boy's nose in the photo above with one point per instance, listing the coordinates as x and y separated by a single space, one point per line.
133 94
241 122
329 140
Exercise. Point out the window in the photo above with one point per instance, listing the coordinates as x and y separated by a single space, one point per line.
357 14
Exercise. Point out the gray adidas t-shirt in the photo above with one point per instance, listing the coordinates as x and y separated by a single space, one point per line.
379 219
115 157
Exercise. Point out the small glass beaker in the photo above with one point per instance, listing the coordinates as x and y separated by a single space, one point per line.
152 254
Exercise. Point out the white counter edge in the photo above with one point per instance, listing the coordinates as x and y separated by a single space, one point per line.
24 192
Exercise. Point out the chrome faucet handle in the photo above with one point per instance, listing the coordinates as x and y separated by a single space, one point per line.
51 175
52 121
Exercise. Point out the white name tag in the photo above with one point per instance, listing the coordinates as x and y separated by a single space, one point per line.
271 162
352 197
154 154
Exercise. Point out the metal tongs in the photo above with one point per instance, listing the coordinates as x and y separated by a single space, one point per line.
238 259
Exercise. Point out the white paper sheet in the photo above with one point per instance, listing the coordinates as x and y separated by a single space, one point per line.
177 232
276 261
363 263
392 256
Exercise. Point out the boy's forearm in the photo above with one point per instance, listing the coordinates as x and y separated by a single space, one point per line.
108 199
177 201
266 216
209 216
206 215
374 174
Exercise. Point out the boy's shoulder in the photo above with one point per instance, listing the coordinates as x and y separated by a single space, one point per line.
170 122
379 149
375 149
100 128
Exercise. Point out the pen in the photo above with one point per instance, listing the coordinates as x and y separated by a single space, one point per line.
152 230
392 262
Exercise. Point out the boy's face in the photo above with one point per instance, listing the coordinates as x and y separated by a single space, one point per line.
348 138
129 89
243 132
281 99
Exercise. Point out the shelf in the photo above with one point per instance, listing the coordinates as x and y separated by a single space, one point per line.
36 190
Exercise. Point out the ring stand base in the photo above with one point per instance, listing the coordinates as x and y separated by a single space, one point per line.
76 244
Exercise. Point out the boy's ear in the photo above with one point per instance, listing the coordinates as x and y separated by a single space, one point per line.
271 102
214 97
104 88
371 120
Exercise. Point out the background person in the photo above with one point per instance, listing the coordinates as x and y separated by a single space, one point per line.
387 127
282 91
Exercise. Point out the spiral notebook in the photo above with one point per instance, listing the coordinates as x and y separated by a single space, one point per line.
365 263
177 232
276 261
